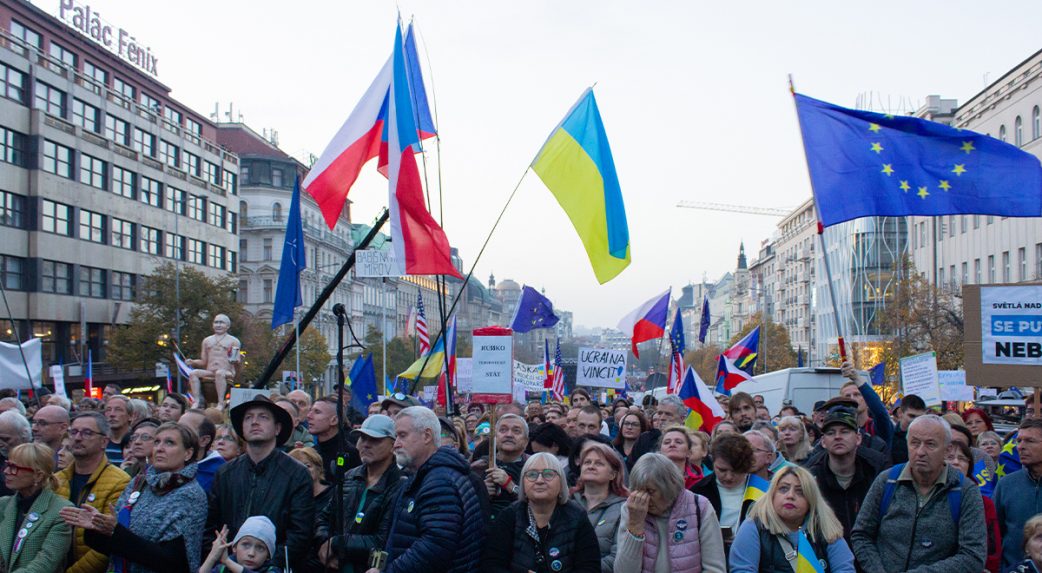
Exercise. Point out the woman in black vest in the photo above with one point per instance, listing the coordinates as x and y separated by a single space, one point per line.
789 524
543 531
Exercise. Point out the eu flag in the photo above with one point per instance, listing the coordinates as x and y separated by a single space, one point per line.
363 383
865 164
533 311
703 328
287 293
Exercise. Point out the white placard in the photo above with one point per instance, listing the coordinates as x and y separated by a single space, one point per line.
601 367
429 393
1011 325
377 263
919 377
240 395
58 377
493 365
464 375
14 362
953 386
531 377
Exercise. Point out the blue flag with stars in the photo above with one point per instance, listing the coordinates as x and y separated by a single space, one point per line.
533 311
865 164
363 383
287 293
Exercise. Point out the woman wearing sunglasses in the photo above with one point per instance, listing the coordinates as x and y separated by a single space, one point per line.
30 517
543 531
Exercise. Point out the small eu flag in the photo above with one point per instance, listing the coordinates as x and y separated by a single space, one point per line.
703 328
533 311
871 164
877 374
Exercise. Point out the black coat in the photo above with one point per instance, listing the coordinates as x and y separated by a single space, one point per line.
568 545
329 450
846 503
707 487
279 488
360 537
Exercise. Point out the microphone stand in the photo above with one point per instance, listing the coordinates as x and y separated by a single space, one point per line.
341 453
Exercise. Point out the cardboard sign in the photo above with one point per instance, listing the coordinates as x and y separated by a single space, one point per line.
531 377
919 377
372 263
492 377
995 352
464 375
601 367
953 386
58 377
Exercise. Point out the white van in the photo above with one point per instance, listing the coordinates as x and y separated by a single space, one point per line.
799 387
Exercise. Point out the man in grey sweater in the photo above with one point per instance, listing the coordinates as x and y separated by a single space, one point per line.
916 531
1017 496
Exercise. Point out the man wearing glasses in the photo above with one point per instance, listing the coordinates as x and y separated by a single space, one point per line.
90 479
49 426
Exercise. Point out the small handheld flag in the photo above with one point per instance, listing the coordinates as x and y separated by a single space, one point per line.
677 346
533 311
755 487
703 328
706 412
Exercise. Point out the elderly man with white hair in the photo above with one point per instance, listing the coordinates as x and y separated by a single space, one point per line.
11 403
14 430
923 515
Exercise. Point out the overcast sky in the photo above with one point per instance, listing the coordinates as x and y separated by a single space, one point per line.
693 95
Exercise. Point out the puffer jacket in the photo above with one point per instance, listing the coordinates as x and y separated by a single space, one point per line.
102 489
439 523
278 488
605 520
360 534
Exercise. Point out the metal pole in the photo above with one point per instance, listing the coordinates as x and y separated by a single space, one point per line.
296 330
177 293
383 332
327 292
338 471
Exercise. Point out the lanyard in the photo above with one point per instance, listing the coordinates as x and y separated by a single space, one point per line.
359 514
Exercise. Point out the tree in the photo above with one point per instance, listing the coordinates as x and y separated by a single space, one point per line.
775 351
314 355
704 360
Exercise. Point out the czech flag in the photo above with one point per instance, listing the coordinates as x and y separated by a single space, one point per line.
88 380
755 487
706 412
647 322
806 560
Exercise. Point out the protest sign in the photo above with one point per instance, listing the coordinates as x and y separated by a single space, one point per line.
919 377
1002 338
492 365
953 386
464 372
377 263
58 377
531 377
601 367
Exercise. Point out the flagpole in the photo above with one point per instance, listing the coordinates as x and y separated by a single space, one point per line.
821 239
296 375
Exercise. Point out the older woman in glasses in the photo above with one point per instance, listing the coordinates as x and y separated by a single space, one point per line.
142 439
30 517
543 530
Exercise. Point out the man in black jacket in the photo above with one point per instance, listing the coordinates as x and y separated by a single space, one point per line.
265 482
370 491
326 427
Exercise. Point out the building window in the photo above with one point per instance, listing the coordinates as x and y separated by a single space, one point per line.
1022 264
965 278
93 171
965 224
233 264
243 294
976 271
197 207
1036 123
49 99
213 173
172 115
267 249
976 221
12 147
124 89
217 215
196 251
243 244
991 268
174 246
232 225
144 142
55 218
123 182
13 272
268 298
940 277
150 103
169 153
990 219
276 177
193 126
215 256
191 161
1005 267
150 191
117 130
92 226
122 234
175 200
1018 132
57 159
123 285
148 240
1002 133
92 282
12 210
92 71
276 212
27 36
55 277
231 182
62 55
14 83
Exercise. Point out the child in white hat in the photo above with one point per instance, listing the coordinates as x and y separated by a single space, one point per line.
252 549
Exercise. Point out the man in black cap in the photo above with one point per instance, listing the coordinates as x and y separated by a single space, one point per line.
844 473
265 482
396 403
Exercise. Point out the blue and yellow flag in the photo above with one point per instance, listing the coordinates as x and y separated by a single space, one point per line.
806 560
434 363
1009 457
576 165
755 487
864 164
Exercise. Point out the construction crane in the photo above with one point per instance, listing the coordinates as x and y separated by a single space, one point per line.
768 211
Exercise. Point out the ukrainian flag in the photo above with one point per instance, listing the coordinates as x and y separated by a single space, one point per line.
755 487
434 363
806 559
576 165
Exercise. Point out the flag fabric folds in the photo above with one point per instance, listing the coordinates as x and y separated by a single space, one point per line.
706 412
806 559
755 487
728 375
294 261
548 369
363 383
182 366
867 164
434 364
676 362
877 374
799 357
557 388
533 311
88 380
647 321
703 327
736 363
424 121
448 380
423 337
576 164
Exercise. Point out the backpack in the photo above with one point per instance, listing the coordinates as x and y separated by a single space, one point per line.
954 495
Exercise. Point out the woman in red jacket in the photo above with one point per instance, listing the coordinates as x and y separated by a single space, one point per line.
961 458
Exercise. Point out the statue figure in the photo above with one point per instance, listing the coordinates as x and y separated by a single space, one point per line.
219 361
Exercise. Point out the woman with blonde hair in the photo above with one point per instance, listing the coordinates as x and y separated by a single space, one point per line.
790 519
793 441
30 516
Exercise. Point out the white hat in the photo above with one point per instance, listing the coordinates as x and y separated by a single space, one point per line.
259 527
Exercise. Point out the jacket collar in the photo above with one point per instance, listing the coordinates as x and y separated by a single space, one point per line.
39 507
69 471
392 473
261 466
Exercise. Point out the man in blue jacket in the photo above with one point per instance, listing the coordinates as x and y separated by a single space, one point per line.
1018 495
439 523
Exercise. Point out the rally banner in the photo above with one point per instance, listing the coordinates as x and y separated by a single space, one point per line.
1011 324
531 377
492 365
919 377
601 367
13 368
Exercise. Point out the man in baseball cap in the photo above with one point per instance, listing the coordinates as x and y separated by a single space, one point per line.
369 494
397 402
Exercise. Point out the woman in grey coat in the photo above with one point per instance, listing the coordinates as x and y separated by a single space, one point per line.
601 491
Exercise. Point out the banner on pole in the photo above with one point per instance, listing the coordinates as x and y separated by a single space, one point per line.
13 369
373 263
601 367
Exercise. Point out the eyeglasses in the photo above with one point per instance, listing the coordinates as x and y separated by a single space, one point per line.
83 433
547 475
15 469
142 437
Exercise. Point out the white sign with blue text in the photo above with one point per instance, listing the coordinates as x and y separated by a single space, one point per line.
1011 325
601 367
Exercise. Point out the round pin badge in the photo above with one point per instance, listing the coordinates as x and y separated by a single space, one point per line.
134 496
554 552
409 507
28 525
23 532
678 536
92 497
34 516
360 516
556 565
682 525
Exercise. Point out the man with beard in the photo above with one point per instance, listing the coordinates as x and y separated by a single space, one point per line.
439 523
742 411
369 494
503 482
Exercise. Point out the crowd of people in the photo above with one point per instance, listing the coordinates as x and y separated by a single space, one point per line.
283 483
